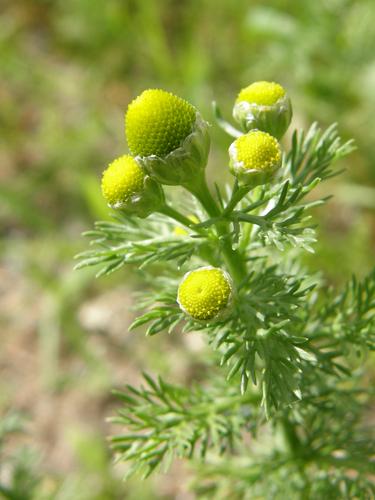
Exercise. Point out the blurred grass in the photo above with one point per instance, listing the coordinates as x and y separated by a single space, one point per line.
68 70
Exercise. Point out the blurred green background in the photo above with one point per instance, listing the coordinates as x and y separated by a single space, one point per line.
68 69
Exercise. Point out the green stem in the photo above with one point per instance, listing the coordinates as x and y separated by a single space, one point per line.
177 216
238 194
233 260
246 235
291 437
297 452
202 193
223 404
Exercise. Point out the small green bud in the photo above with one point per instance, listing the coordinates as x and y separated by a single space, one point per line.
168 137
254 158
264 106
206 294
125 186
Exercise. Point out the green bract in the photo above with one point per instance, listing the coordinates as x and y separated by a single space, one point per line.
263 106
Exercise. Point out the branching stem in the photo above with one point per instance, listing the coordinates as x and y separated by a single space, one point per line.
238 193
233 260
177 216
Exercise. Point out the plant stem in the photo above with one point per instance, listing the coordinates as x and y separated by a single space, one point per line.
237 195
226 403
177 216
296 451
203 194
291 438
233 260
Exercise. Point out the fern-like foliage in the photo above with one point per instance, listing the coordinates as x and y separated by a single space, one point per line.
129 240
23 477
287 349
165 421
328 451
347 320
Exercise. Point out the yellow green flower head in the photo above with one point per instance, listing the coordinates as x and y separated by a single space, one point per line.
263 106
254 157
121 180
157 122
205 293
257 151
262 93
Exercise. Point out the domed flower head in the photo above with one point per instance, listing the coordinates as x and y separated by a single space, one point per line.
206 294
254 158
264 106
125 186
167 135
157 122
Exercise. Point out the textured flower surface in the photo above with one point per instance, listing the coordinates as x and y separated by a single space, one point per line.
157 122
256 151
122 179
205 293
262 93
263 106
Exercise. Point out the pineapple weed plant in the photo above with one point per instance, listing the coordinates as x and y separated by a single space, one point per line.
287 414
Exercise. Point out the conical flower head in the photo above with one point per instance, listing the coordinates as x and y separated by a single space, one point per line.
168 137
157 122
206 294
263 106
263 93
125 186
254 158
